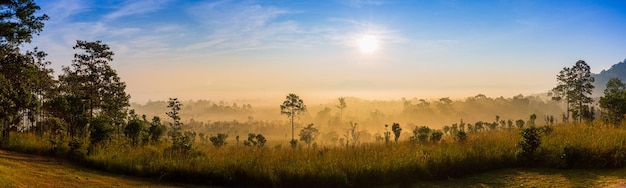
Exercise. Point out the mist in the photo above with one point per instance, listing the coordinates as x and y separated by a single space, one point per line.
262 116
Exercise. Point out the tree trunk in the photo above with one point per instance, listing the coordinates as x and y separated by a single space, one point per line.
292 126
567 110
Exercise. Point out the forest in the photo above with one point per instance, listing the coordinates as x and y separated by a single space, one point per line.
85 115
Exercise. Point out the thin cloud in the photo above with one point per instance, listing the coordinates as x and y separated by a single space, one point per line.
133 7
244 25
60 11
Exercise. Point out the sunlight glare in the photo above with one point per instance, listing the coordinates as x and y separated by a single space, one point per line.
368 43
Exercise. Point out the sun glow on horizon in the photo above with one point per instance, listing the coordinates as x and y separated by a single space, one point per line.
367 44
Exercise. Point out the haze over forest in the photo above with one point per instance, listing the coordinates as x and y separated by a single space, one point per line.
321 50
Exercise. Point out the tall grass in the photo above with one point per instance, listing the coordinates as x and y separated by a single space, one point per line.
368 164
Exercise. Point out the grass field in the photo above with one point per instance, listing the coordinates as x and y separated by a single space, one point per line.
24 170
570 146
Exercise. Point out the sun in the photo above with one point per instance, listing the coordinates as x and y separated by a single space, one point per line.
367 43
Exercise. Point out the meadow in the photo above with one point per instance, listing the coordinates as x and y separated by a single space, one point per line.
583 146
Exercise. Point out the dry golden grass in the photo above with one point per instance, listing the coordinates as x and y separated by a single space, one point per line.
371 164
24 170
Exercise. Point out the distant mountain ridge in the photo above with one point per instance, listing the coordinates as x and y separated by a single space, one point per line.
616 71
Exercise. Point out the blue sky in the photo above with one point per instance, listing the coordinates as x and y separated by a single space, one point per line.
258 49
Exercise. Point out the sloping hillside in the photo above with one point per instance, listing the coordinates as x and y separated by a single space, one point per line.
618 70
24 170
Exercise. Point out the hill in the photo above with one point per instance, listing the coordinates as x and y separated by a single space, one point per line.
616 71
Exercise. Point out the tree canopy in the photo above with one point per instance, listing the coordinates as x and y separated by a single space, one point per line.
613 102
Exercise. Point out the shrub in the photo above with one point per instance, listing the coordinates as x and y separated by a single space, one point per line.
436 136
180 143
134 131
308 134
570 156
101 130
156 129
529 145
396 131
255 140
461 136
75 144
219 140
420 134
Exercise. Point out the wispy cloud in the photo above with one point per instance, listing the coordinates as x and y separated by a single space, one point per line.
133 7
240 24
60 11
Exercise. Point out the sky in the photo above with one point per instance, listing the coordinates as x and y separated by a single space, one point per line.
225 50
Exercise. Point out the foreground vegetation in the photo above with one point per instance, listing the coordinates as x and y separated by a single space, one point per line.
594 145
24 170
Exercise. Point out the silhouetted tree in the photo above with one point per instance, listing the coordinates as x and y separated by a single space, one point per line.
342 105
575 85
352 134
308 134
396 131
562 91
292 107
180 142
582 88
174 113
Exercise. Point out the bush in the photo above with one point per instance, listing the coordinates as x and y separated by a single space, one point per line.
395 127
75 146
255 140
570 156
219 140
101 130
180 143
529 145
156 129
461 136
436 136
308 134
134 131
